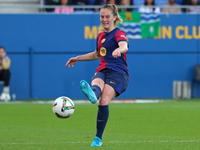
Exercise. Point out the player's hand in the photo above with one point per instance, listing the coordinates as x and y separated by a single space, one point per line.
71 62
116 53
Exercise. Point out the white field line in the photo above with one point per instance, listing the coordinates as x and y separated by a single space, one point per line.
87 101
82 142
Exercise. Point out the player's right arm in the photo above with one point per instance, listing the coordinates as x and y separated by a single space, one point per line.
87 57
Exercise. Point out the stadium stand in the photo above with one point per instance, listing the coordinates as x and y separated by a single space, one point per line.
157 2
20 3
180 2
161 2
91 2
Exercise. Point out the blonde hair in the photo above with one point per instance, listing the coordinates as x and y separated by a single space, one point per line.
114 10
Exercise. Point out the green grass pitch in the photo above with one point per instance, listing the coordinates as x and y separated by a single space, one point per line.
138 126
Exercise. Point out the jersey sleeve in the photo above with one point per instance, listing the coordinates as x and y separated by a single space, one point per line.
97 42
98 36
120 36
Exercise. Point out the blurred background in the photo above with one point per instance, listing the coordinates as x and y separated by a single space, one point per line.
41 35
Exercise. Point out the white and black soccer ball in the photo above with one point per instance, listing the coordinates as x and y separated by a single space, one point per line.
63 107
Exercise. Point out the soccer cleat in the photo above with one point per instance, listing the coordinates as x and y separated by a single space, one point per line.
5 97
86 89
97 142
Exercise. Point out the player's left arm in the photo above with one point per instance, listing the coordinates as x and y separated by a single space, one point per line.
123 48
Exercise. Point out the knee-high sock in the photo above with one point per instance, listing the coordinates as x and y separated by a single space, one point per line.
102 118
97 90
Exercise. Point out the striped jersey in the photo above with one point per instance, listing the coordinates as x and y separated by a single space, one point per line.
106 44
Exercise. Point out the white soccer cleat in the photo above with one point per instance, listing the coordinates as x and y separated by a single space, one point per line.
5 97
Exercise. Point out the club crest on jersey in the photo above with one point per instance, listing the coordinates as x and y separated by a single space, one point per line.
103 51
103 40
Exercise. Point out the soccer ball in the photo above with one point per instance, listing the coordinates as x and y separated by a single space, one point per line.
63 107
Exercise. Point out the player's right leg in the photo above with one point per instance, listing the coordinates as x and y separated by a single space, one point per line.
86 89
93 93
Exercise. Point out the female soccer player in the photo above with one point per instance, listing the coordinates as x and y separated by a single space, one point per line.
111 77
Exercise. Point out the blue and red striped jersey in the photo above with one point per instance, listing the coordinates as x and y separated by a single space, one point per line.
106 44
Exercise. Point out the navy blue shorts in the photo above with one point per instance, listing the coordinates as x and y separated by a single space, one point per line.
115 79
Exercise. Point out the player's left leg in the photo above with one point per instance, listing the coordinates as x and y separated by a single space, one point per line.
107 95
115 84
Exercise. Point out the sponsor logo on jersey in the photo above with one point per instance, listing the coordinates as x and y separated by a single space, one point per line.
123 36
103 40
